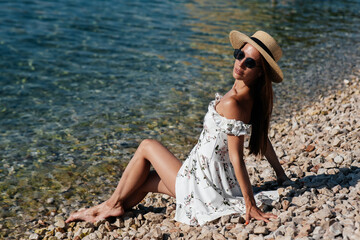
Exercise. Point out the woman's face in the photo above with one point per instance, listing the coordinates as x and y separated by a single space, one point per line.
242 71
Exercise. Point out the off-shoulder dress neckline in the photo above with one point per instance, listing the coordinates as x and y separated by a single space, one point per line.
218 98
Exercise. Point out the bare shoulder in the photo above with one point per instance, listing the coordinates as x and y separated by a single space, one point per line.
236 107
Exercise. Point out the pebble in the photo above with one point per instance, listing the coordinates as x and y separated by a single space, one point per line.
323 213
260 230
318 148
60 223
34 236
218 236
336 229
50 200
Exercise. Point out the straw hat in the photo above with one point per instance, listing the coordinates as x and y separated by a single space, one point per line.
266 45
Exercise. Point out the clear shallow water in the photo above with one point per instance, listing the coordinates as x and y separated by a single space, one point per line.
82 82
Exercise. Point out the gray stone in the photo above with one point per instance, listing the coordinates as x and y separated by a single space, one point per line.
218 236
205 233
99 222
78 232
235 219
128 221
273 225
321 171
336 229
185 228
108 227
261 230
34 236
60 235
101 228
92 236
323 213
222 231
290 231
318 230
244 235
305 230
255 237
328 165
141 232
154 217
283 238
99 234
119 223
348 232
338 159
336 142
300 201
156 233
279 232
60 223
285 204
284 217
225 219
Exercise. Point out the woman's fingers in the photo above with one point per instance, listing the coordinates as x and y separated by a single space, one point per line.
258 215
269 215
247 218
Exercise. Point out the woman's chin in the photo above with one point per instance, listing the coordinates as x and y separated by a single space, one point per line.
237 76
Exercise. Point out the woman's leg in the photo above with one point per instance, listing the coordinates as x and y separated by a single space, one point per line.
150 152
152 184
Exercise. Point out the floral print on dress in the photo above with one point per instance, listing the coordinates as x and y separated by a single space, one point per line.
221 151
206 186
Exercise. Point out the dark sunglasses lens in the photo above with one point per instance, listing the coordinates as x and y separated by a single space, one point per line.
238 54
236 51
250 63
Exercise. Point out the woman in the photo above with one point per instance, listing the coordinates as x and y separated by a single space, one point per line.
213 181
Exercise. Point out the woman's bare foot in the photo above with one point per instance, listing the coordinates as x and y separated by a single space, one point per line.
96 213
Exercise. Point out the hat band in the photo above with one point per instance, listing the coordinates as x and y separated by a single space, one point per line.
263 46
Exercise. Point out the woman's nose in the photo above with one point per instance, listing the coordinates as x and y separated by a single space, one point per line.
242 63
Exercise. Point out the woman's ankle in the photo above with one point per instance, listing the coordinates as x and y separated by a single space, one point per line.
113 203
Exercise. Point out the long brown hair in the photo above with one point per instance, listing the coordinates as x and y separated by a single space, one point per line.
263 95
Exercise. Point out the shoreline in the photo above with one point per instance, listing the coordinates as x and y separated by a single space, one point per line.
317 147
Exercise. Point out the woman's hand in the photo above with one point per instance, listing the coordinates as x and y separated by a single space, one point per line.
254 212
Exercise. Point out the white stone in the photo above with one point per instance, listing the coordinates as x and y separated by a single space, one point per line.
260 230
338 159
34 236
336 229
60 235
60 223
225 219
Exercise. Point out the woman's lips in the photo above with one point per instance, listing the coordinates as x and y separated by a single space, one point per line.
238 72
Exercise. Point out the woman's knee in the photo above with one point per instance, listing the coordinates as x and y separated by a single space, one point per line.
147 144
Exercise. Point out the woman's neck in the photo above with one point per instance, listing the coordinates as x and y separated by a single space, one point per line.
239 86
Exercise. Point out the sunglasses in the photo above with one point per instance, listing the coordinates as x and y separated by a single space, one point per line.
249 62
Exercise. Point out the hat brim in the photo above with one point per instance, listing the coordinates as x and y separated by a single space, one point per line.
238 39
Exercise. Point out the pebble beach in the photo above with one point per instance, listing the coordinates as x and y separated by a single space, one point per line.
319 149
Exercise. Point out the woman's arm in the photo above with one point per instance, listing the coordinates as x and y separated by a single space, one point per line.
232 109
235 145
274 162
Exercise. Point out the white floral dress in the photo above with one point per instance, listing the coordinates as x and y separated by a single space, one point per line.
206 186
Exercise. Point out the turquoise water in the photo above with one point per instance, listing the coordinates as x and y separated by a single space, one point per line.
82 82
